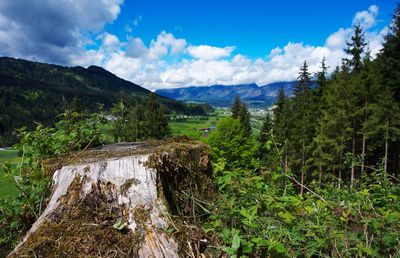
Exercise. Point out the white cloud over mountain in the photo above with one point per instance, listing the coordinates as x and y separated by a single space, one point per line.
206 52
166 61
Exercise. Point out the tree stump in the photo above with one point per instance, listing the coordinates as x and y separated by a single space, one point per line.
123 200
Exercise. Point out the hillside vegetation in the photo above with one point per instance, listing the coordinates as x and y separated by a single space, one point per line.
36 92
322 179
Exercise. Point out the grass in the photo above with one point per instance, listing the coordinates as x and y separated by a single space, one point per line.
7 185
191 126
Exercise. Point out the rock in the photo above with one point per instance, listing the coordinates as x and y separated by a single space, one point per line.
122 200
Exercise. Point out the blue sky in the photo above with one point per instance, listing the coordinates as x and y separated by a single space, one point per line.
170 43
253 26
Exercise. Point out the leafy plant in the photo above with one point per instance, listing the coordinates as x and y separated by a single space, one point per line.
73 132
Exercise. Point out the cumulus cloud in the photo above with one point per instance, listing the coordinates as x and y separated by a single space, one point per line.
109 40
51 30
367 18
136 48
172 62
164 62
338 39
206 52
165 44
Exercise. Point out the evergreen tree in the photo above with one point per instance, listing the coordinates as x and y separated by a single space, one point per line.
303 81
156 123
119 130
334 125
236 106
303 122
244 118
266 134
281 126
321 77
266 129
355 49
388 74
136 123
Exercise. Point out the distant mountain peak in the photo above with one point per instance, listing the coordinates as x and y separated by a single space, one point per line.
222 95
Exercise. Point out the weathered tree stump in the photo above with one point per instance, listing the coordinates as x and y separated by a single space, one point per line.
123 200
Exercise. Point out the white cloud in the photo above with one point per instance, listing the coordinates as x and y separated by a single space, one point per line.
274 52
166 61
367 18
338 39
164 44
109 40
49 30
136 48
206 52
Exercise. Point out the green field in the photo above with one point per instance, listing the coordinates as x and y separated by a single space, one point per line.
7 186
191 126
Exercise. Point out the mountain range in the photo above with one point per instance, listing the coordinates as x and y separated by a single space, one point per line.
223 95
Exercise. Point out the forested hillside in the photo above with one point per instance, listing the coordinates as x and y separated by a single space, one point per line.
351 119
322 179
36 92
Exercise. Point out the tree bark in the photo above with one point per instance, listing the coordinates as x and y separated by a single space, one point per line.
116 202
353 152
385 160
302 170
286 156
340 163
364 139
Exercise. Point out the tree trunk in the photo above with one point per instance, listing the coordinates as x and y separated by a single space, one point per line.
340 163
286 156
117 202
320 174
385 160
364 139
363 154
353 152
302 170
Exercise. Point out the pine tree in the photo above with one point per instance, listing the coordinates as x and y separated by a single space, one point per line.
321 77
388 63
136 123
333 126
236 106
303 81
156 123
266 134
266 129
355 89
355 49
281 126
303 122
119 110
244 118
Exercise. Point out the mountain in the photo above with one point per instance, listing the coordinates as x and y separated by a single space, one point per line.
38 92
222 95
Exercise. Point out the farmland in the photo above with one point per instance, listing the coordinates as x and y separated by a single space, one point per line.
7 186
